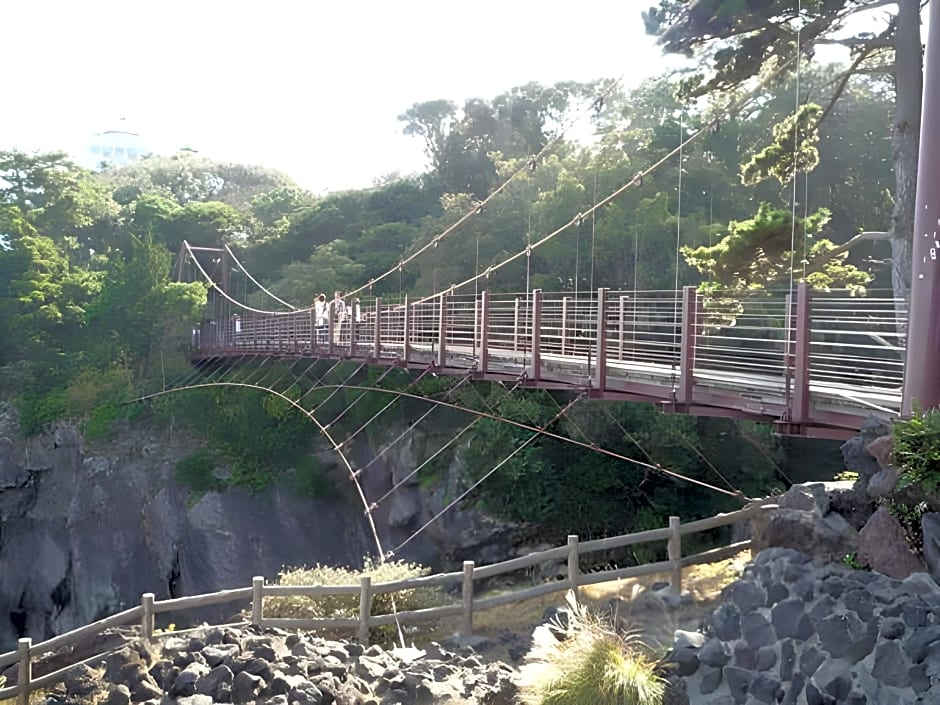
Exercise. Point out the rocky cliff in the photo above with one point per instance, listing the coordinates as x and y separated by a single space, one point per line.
84 532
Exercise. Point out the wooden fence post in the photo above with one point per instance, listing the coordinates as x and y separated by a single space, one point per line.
574 568
257 597
466 617
24 675
146 616
674 549
365 608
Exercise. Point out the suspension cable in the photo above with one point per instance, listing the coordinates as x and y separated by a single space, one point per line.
459 498
527 165
517 424
636 181
255 281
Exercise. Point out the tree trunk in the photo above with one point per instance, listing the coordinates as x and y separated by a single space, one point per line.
905 133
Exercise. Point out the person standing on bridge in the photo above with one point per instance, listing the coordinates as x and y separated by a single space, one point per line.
320 314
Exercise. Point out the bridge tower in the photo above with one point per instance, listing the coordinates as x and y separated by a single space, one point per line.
922 368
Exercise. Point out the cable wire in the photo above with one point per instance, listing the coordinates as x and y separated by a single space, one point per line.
478 208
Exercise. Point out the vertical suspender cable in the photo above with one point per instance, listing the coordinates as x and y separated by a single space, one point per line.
675 305
796 147
593 211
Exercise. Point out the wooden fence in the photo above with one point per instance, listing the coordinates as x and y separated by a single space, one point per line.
144 613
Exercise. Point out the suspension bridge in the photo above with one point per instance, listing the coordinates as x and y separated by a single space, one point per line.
810 362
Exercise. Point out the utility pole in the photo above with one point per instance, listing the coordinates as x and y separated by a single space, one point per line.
922 368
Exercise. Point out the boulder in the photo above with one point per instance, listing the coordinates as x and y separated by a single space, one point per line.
826 538
882 546
930 524
855 453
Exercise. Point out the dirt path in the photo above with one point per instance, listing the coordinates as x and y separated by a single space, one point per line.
500 630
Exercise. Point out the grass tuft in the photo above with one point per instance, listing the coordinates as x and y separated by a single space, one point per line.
593 665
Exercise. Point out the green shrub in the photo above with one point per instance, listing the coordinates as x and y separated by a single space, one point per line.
196 471
310 480
917 450
908 517
37 411
347 606
594 665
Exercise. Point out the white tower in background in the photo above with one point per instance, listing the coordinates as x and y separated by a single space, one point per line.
114 148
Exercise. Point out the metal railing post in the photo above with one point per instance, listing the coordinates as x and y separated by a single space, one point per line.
600 349
24 674
800 400
313 330
623 306
564 324
466 616
515 326
330 325
442 332
365 608
535 370
484 351
377 325
690 319
406 331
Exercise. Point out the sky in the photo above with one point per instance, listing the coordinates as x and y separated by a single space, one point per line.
311 88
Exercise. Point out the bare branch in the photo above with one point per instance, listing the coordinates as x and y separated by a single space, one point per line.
867 236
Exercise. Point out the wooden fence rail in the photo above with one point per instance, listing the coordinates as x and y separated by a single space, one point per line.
144 614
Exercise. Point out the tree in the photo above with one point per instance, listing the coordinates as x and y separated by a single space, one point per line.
758 252
59 199
741 39
461 145
186 177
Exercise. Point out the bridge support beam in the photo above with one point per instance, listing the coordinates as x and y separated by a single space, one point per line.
600 348
483 355
687 343
921 371
535 369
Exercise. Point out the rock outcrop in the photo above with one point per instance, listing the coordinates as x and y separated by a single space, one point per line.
793 633
273 667
84 534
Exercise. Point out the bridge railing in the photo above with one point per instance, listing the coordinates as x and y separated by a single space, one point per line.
858 341
773 352
569 555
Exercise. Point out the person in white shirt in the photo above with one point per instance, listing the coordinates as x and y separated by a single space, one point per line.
320 317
